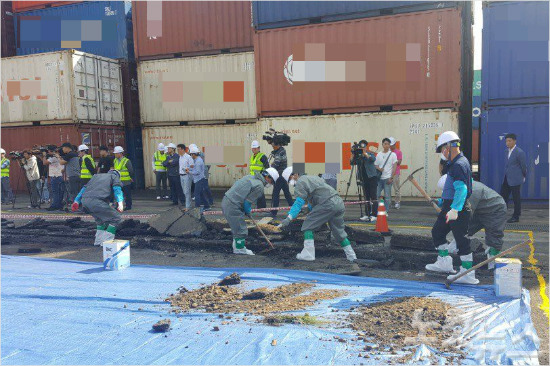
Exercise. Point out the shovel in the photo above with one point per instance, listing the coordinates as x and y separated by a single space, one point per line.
261 232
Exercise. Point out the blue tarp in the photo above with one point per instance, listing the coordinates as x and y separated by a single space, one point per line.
68 312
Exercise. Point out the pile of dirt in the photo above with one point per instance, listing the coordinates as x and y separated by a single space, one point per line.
162 326
232 279
217 298
407 321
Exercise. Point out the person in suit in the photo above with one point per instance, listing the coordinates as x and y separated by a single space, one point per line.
514 175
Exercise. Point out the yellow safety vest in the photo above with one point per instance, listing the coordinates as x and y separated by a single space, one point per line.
84 172
6 170
159 159
121 167
256 165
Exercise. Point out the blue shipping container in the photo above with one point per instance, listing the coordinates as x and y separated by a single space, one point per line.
279 14
102 28
530 124
515 53
134 148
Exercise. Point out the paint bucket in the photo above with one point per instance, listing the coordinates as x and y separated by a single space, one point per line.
116 254
508 277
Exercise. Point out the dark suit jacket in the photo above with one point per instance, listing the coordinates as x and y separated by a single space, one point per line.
516 167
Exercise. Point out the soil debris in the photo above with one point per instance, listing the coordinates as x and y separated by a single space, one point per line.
407 321
162 326
278 320
232 279
261 301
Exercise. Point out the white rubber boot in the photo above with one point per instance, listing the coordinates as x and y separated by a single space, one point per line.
491 252
350 253
107 236
241 250
308 253
452 247
470 278
444 262
99 233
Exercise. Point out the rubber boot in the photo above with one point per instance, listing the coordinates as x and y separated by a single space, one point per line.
109 234
470 278
452 247
491 252
444 262
308 253
350 253
99 234
239 248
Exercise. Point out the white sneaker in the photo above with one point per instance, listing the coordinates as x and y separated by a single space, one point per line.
193 198
490 265
469 279
166 197
365 218
241 250
308 253
442 265
452 247
350 253
158 197
373 218
398 206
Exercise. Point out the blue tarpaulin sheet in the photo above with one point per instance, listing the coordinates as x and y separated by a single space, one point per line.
58 311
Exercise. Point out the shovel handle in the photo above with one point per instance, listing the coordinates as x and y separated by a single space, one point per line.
261 232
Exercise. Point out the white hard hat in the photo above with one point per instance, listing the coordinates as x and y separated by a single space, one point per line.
83 147
287 173
193 149
441 182
254 144
161 147
392 141
118 149
2 151
273 173
171 145
445 138
193 146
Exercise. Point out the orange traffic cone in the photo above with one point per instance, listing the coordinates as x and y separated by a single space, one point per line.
382 220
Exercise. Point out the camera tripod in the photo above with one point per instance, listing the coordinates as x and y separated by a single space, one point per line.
359 184
23 173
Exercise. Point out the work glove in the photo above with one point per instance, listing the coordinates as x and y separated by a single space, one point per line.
120 207
285 222
452 215
74 206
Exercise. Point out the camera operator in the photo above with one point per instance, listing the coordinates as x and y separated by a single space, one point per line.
33 175
279 163
72 170
42 184
52 160
369 178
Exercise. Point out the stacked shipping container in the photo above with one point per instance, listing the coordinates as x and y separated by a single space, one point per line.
515 91
7 31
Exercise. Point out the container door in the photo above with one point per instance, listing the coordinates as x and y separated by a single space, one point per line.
85 78
110 91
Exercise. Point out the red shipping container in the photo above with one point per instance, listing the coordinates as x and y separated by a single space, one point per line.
19 6
21 138
130 94
408 61
165 29
8 30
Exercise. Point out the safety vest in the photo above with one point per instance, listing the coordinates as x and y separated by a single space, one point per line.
6 170
84 172
120 165
159 159
256 165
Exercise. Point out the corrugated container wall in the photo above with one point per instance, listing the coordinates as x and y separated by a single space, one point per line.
61 87
102 28
279 14
19 138
407 61
19 6
184 28
8 30
530 123
205 88
515 52
214 135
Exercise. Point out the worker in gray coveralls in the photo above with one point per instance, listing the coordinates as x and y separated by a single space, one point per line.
237 203
95 197
325 205
489 213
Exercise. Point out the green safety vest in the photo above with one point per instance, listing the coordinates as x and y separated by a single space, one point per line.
256 165
84 172
6 170
120 165
159 159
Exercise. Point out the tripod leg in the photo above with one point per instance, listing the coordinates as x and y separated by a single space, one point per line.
349 182
14 193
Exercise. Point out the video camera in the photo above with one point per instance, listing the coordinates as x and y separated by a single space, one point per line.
16 155
276 138
357 151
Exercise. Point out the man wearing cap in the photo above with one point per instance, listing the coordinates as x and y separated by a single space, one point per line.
237 202
324 204
159 169
72 170
172 164
7 193
397 175
87 164
258 162
197 172
123 165
95 197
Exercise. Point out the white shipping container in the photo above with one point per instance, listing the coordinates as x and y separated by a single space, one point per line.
64 86
205 88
